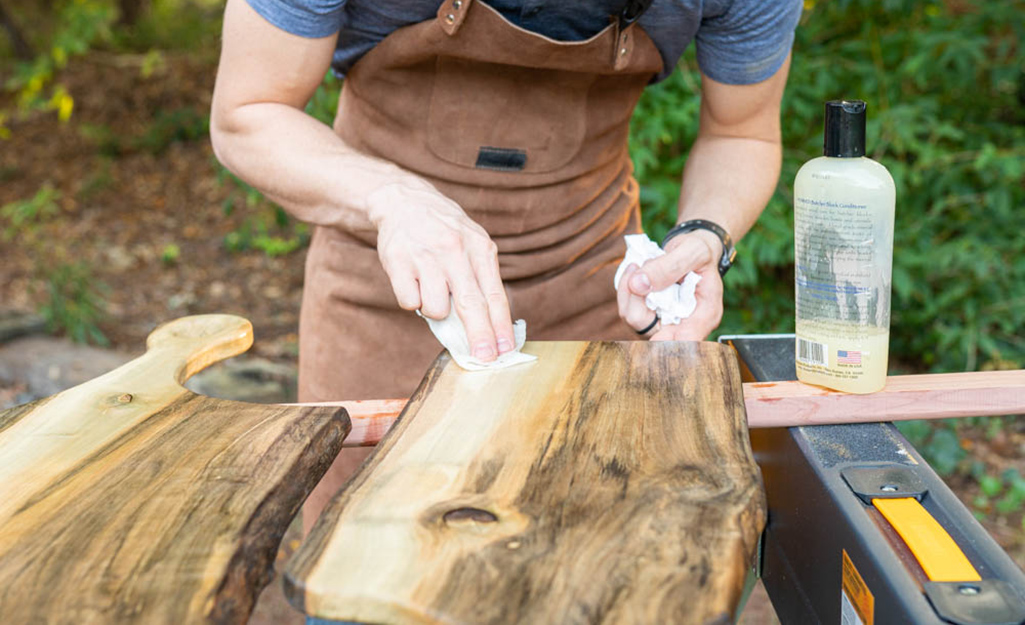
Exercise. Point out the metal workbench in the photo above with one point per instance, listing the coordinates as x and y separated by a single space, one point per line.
828 555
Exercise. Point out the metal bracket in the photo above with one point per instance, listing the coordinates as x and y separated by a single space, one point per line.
985 602
885 481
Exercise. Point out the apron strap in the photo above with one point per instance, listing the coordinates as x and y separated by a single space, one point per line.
452 13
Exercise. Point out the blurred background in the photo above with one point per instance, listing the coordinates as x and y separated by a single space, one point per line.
115 216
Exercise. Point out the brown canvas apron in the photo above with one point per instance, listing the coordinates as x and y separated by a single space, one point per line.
529 136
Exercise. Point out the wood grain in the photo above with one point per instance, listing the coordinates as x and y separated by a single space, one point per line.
787 404
603 483
130 499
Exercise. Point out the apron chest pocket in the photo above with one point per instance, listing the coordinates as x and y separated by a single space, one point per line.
503 118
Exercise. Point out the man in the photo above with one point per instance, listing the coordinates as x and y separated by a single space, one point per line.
479 157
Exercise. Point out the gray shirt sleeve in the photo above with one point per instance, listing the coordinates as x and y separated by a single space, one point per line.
305 18
747 41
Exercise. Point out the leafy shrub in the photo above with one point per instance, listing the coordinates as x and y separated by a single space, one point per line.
167 127
945 87
63 29
937 441
266 226
74 303
177 125
23 216
77 25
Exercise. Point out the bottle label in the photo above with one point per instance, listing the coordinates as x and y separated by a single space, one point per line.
834 254
812 353
842 288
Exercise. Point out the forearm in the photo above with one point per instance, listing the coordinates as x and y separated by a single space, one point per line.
729 180
734 164
302 164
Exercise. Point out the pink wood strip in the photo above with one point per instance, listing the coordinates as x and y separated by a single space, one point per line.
932 396
784 404
371 418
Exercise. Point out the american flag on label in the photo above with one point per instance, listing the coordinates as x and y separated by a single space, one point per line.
848 357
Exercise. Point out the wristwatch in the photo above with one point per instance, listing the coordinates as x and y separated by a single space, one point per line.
728 251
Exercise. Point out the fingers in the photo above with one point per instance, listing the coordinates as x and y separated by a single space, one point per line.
434 254
706 316
632 308
472 308
406 287
661 272
485 265
434 297
691 253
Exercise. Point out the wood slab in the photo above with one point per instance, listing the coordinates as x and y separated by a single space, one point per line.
603 483
129 499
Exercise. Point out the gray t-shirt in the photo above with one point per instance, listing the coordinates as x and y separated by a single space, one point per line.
738 42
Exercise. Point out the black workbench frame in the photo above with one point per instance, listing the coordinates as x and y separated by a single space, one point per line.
814 515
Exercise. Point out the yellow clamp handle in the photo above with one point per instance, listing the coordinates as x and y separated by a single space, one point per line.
937 553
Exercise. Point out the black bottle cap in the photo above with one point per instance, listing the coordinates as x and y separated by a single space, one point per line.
844 134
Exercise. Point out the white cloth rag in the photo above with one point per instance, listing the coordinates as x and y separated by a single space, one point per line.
673 303
452 334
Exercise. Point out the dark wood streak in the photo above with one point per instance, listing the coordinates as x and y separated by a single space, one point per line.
641 502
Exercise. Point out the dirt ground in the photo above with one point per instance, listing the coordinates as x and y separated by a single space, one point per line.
126 199
132 188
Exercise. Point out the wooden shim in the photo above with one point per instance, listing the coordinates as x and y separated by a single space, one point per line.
130 499
930 396
786 404
603 483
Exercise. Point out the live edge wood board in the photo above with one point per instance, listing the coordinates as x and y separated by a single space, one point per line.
603 483
129 499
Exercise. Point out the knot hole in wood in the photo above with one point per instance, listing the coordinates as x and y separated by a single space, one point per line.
469 515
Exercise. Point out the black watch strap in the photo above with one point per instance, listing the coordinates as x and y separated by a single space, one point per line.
728 251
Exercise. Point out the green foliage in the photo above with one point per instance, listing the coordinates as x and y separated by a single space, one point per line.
190 25
23 216
77 25
1003 494
937 441
169 256
266 227
182 124
64 29
74 303
167 127
324 103
944 85
940 443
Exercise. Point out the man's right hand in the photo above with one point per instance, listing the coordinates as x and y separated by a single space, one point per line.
428 245
430 249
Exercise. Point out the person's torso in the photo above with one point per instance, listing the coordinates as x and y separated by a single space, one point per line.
671 24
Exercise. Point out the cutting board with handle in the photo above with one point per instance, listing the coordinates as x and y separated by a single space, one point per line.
129 499
602 483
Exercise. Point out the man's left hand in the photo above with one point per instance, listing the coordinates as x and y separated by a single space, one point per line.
698 251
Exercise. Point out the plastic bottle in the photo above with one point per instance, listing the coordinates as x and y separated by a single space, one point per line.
843 251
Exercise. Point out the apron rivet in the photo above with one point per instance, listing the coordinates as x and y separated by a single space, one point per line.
457 4
450 19
622 52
